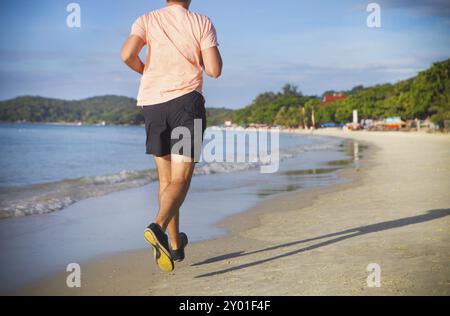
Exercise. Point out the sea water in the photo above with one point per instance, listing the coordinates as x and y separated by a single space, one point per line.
89 191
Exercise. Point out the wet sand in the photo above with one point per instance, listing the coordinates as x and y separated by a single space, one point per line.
395 212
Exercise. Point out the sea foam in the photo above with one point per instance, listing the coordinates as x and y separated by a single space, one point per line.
54 196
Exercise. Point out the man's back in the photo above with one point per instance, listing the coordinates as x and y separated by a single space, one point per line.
175 39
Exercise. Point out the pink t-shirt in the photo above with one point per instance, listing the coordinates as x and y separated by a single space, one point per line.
175 38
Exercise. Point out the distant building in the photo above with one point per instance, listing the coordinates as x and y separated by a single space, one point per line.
333 98
228 124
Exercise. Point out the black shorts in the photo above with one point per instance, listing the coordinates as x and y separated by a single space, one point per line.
176 126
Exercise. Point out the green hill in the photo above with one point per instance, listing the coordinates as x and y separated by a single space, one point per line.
111 109
217 116
425 96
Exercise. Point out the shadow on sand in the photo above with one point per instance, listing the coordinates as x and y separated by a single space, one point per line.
339 236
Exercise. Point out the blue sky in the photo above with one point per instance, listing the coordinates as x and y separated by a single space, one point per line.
316 45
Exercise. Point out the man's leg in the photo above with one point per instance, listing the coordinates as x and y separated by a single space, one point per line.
172 195
164 166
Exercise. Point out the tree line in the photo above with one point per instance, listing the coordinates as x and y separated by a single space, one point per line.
425 96
113 110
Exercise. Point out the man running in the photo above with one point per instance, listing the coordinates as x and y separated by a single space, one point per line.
180 46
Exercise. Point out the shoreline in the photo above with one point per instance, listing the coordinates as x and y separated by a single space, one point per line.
234 129
133 273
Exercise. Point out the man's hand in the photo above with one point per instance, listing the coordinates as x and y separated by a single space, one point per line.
130 53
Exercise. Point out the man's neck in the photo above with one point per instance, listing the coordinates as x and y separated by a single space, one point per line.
182 4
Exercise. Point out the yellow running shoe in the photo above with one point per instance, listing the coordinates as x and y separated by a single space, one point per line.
160 244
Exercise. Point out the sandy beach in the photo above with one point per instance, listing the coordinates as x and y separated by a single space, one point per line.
395 212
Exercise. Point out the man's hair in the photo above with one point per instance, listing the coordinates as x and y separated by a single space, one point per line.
177 0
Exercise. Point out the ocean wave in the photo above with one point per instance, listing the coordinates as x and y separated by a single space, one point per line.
54 196
51 197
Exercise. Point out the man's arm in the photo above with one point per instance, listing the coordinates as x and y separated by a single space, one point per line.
130 53
212 62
